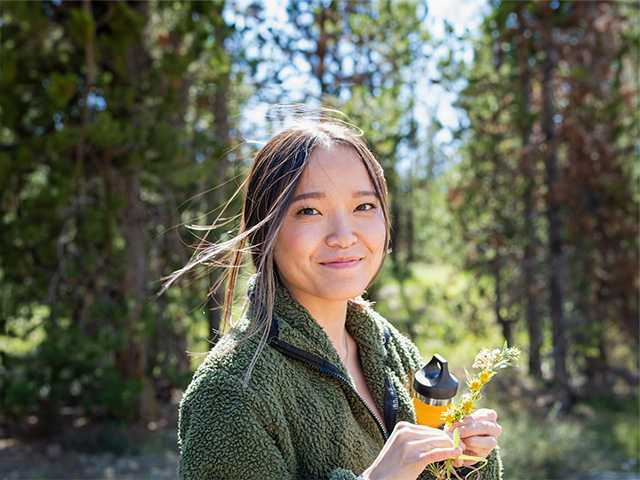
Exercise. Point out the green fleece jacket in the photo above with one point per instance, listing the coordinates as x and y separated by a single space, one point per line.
301 416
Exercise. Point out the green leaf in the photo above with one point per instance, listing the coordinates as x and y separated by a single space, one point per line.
61 88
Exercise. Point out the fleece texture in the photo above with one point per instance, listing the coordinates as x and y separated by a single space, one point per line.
300 416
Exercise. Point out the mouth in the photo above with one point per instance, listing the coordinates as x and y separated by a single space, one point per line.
343 263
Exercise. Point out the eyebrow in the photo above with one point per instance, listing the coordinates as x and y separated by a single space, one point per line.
359 193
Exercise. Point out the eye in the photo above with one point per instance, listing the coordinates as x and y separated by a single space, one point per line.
372 205
304 209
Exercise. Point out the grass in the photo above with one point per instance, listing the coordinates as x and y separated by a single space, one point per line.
548 447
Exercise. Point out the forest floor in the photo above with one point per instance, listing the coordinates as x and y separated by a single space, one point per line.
46 460
98 451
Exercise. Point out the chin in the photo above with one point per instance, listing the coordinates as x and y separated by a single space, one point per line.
345 293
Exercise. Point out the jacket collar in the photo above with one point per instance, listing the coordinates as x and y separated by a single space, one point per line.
295 333
295 326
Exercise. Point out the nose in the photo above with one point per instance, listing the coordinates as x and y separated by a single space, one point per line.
342 234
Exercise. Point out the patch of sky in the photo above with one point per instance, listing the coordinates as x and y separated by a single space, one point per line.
57 121
512 20
96 101
461 17
447 23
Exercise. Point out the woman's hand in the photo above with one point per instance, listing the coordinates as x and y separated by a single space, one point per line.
409 449
480 433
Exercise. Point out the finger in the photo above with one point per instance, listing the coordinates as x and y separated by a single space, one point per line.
481 443
408 431
434 442
450 429
416 428
466 421
480 427
481 414
485 414
439 454
437 440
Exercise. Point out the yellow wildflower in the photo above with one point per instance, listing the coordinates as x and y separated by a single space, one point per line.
485 376
475 385
449 416
467 405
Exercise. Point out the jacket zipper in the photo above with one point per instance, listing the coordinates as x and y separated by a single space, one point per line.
331 370
385 436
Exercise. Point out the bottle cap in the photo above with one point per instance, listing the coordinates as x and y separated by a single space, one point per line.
434 380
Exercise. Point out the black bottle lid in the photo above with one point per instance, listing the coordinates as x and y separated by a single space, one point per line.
434 380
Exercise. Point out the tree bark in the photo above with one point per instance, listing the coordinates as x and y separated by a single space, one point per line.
534 329
506 324
221 128
131 359
554 220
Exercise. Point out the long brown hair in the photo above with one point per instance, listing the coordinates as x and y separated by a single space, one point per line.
267 192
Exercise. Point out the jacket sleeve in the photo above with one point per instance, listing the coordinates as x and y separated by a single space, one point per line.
223 435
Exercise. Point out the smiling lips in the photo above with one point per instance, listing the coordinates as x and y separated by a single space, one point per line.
343 262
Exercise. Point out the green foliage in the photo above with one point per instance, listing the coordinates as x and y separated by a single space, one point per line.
552 446
96 155
71 369
61 89
535 152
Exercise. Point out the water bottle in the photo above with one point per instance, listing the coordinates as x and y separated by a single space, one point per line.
434 388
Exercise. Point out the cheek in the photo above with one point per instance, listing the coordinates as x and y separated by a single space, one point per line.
295 243
375 233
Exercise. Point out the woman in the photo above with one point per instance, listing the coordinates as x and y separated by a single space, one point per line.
322 394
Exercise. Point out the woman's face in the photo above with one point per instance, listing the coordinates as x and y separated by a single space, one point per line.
335 214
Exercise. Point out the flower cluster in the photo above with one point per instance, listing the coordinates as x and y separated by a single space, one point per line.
488 362
492 360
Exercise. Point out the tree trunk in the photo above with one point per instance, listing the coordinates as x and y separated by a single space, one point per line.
131 359
221 128
534 329
506 324
554 220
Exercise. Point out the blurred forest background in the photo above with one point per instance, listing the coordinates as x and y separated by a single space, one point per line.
515 210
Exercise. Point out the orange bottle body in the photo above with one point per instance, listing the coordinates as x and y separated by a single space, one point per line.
429 415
